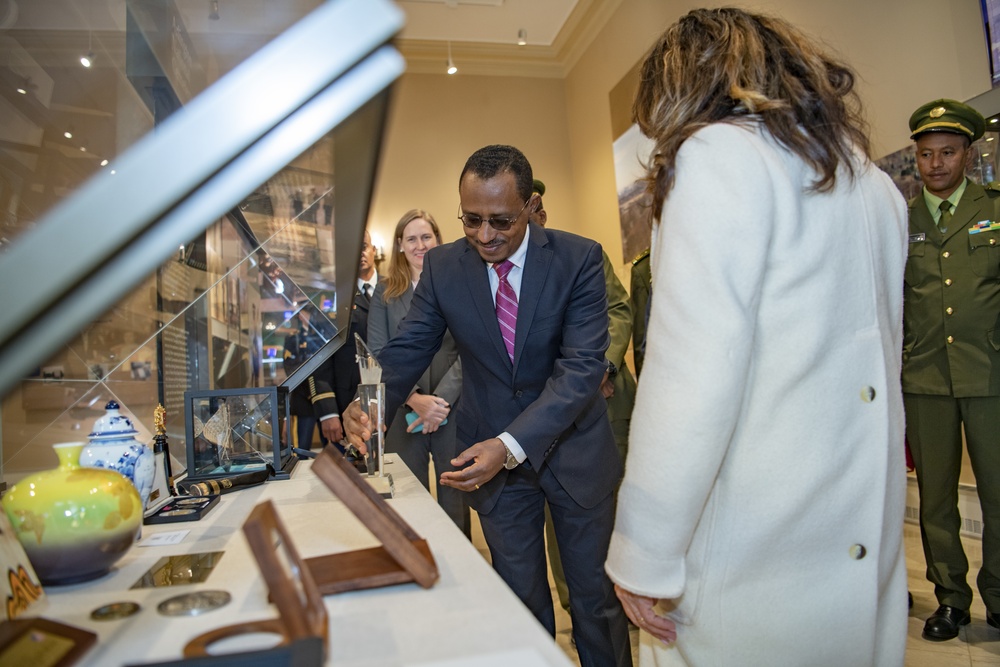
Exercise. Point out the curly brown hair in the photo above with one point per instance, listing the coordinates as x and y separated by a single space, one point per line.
722 65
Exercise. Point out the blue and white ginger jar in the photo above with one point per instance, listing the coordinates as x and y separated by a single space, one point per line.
113 445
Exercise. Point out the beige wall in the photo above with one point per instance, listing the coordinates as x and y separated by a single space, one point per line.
437 121
906 52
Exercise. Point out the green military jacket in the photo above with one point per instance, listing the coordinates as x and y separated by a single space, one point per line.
620 329
951 299
641 287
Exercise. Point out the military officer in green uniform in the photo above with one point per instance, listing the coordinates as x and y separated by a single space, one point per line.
951 356
618 386
642 287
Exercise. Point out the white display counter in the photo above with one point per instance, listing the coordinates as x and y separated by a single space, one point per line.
469 617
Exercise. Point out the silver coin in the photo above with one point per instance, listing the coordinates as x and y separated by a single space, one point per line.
193 604
189 501
114 611
177 512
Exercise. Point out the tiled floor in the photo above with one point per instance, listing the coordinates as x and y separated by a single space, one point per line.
977 645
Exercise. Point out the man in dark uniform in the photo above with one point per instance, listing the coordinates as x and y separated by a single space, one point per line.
299 347
333 385
951 357
641 287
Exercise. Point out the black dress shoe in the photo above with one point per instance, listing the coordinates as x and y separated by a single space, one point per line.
993 619
945 622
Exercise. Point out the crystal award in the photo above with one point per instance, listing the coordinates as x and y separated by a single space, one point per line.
371 392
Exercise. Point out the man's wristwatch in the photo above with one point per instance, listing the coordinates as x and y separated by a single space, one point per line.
511 461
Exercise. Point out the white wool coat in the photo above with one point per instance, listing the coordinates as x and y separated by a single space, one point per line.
764 490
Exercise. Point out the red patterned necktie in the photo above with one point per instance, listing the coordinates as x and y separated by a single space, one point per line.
506 306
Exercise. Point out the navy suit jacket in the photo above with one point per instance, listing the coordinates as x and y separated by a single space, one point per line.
549 398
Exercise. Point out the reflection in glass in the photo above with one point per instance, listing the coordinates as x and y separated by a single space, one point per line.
216 315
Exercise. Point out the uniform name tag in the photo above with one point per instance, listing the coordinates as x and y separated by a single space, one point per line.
916 238
984 226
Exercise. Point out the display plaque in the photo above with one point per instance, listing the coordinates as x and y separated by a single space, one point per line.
41 642
403 557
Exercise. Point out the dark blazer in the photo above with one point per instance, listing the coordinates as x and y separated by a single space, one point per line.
952 290
333 385
549 399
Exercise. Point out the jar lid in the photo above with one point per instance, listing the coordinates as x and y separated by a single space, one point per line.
112 424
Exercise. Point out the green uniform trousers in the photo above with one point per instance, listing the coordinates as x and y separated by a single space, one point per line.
934 431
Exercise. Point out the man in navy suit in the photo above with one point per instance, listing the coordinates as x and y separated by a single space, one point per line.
532 424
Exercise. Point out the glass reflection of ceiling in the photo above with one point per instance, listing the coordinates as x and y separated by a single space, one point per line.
61 122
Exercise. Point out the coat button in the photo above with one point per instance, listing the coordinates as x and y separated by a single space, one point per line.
867 394
946 254
518 393
950 339
947 281
858 551
949 310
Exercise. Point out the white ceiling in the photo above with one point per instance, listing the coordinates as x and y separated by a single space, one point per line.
488 21
482 21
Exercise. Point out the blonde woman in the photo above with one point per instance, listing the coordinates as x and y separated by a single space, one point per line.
421 430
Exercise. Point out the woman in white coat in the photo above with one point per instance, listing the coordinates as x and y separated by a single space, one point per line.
760 518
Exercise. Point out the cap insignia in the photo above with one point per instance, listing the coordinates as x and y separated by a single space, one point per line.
937 112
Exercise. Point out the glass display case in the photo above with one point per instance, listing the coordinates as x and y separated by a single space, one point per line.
176 257
236 431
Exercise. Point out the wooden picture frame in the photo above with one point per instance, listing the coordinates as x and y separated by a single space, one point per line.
42 642
290 585
404 556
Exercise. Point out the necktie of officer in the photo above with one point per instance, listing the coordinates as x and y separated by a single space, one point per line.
945 218
366 290
506 306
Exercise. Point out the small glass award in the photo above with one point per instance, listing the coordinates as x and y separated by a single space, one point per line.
371 391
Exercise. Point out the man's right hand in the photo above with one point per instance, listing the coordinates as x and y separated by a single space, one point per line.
356 426
332 429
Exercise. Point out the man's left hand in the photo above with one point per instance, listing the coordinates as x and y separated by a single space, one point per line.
607 386
488 458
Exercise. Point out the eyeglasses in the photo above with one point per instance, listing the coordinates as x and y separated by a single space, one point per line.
500 224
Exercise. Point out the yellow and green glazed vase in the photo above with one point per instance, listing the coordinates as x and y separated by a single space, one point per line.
74 522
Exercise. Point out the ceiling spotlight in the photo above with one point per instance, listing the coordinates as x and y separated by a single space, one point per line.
451 63
88 59
68 133
522 37
22 87
213 10
104 163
